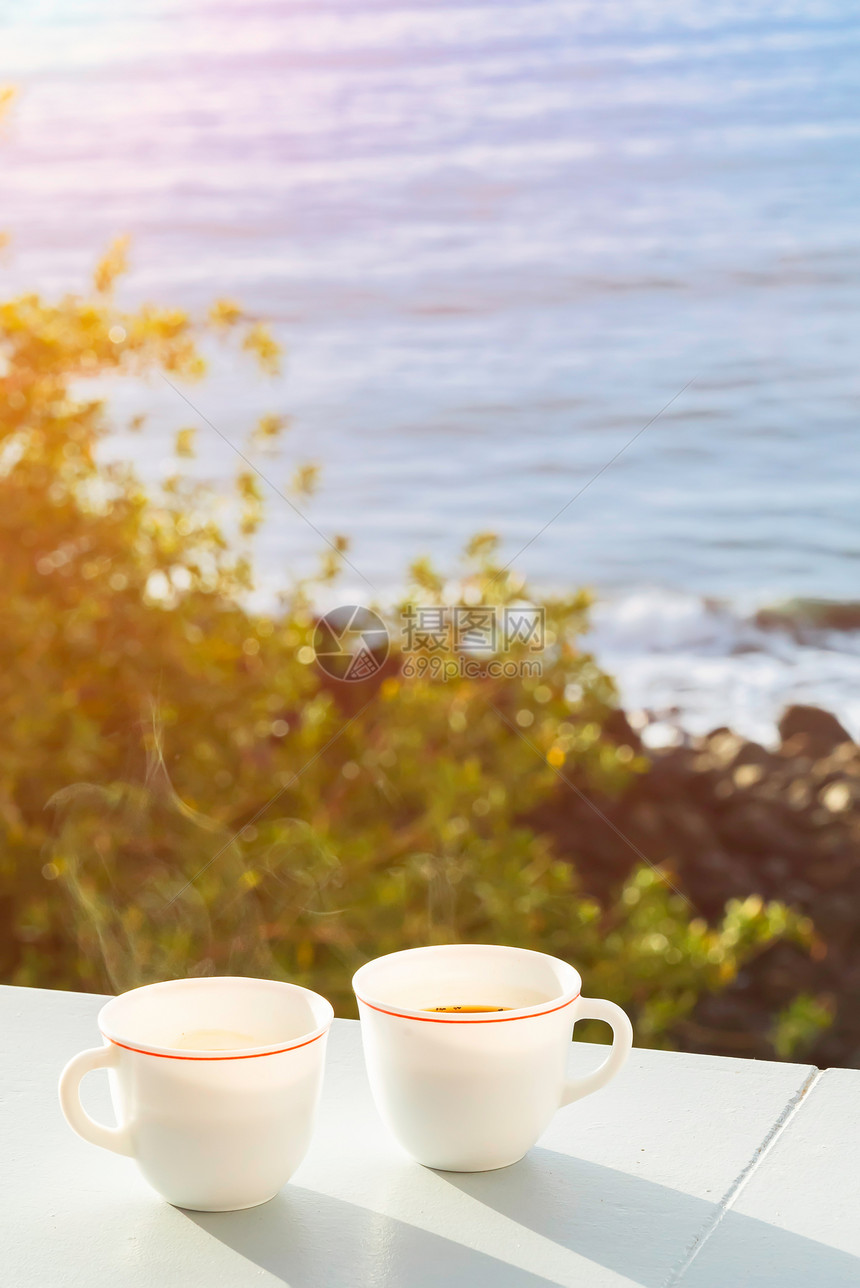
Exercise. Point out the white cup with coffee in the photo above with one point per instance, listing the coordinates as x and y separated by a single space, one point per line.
215 1084
466 1048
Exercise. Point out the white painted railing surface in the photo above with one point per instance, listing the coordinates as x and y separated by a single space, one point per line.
687 1170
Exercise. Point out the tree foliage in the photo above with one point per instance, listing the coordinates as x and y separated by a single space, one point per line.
183 791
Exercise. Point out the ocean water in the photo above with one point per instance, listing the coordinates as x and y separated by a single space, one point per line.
496 239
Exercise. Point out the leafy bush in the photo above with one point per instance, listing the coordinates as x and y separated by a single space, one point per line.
182 790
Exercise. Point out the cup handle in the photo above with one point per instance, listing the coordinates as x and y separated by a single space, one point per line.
596 1008
117 1139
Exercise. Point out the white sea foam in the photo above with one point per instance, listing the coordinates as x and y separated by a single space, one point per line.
697 664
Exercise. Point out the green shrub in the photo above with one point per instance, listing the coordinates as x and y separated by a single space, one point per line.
182 790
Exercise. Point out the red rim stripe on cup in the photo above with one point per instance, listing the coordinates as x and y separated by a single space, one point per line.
462 1019
253 1055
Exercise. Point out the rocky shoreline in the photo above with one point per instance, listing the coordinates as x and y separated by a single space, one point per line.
730 818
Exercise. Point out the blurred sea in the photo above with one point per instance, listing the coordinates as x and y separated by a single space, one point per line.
497 238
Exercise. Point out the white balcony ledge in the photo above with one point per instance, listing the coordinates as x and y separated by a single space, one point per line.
688 1170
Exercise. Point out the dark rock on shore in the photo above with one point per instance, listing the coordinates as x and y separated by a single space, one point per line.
729 818
818 732
804 617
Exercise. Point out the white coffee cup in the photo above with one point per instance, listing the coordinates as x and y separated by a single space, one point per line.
215 1084
470 1092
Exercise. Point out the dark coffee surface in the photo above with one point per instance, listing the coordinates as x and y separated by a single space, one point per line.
462 1010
